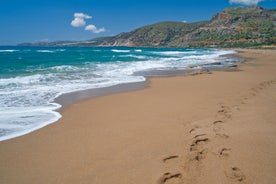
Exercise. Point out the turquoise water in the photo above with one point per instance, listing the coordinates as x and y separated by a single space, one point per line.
32 77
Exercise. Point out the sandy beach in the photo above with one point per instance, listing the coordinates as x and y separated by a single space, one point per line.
209 128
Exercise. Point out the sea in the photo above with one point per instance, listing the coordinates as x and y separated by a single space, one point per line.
31 78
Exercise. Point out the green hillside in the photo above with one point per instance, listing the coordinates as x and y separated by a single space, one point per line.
242 27
233 27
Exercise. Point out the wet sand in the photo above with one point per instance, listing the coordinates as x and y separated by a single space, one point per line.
209 128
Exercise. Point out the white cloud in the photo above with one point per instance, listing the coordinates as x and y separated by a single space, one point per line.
77 22
94 29
82 16
79 19
245 2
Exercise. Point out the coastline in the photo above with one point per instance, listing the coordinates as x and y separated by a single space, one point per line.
178 129
56 98
74 97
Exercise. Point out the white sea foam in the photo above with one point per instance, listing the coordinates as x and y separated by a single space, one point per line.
29 98
171 53
60 50
8 50
46 51
22 80
174 53
118 51
26 101
135 56
64 68
18 127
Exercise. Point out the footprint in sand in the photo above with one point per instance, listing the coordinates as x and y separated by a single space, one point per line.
170 178
201 154
192 130
260 87
199 135
235 173
217 122
197 142
166 159
222 135
225 111
218 129
225 152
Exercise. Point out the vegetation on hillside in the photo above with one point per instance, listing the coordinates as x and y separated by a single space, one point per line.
233 27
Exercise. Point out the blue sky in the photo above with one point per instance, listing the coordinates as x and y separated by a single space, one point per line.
51 20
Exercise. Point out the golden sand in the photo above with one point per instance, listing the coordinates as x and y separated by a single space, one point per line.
211 128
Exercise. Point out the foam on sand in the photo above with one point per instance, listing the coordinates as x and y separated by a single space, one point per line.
42 78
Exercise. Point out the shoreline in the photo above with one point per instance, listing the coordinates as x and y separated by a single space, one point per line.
217 128
62 100
68 99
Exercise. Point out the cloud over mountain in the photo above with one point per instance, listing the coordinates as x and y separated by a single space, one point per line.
94 29
79 21
245 2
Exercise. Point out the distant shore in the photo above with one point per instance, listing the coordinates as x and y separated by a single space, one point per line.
201 128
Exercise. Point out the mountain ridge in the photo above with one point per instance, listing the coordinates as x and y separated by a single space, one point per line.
232 27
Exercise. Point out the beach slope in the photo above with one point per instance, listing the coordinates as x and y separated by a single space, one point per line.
208 128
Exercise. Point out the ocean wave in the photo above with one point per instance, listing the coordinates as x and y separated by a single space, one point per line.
120 51
9 50
26 100
46 51
174 53
23 124
134 56
65 68
22 80
60 50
